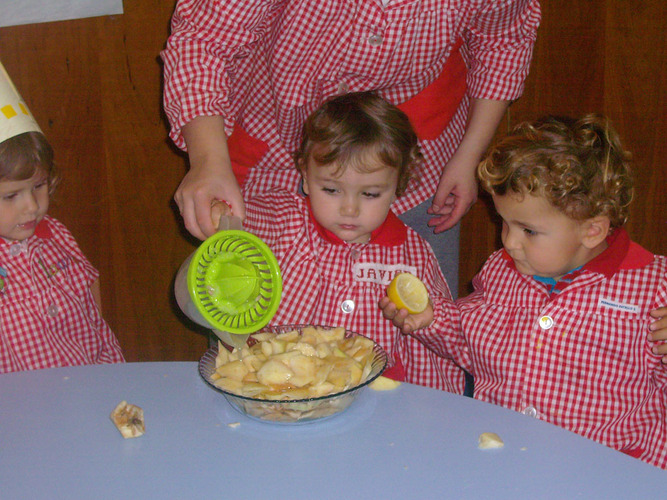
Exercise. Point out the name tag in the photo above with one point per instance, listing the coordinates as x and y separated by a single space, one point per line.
382 274
618 306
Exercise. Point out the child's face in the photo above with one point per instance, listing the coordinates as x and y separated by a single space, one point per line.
353 204
23 205
540 239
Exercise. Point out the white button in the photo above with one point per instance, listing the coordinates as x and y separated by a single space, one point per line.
52 310
343 88
375 40
15 249
546 322
355 254
347 306
530 411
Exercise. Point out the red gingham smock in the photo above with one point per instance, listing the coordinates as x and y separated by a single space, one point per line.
579 358
265 66
323 277
48 315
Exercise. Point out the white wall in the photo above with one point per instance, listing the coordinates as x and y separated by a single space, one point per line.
15 12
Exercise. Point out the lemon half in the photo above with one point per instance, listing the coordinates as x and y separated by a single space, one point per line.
407 291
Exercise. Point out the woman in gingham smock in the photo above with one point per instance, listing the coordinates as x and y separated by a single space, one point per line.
48 315
327 281
260 68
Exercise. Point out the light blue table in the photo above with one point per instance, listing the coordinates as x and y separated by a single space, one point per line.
57 441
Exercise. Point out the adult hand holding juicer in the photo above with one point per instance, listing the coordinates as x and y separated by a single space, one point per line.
231 283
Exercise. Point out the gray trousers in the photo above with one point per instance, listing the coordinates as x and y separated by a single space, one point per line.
445 245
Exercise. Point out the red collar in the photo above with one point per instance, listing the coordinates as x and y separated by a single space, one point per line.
43 230
391 233
621 253
610 260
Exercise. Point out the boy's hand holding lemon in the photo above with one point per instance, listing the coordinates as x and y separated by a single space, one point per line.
407 304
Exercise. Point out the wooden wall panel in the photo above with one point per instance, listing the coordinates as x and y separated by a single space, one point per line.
94 86
636 99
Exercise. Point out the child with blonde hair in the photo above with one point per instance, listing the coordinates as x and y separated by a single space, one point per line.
50 307
557 325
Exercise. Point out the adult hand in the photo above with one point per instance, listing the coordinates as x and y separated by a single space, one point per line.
200 188
659 332
457 189
455 195
209 179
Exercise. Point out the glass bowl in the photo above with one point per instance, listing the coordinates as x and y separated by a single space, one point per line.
292 411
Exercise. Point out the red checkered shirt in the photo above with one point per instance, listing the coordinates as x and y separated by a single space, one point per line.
579 358
265 66
48 315
329 282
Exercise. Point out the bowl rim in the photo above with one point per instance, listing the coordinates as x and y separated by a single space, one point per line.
380 354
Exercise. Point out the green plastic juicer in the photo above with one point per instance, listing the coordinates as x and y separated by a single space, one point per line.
231 284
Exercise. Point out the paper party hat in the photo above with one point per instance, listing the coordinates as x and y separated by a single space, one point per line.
15 117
